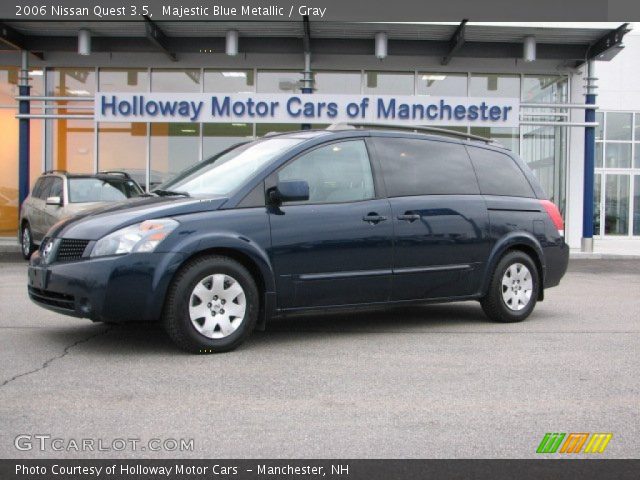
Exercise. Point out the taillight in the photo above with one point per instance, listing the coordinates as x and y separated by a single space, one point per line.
554 214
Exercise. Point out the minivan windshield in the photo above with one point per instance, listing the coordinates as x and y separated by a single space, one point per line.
222 174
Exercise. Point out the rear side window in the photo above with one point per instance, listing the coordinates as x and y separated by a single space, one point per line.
498 174
424 167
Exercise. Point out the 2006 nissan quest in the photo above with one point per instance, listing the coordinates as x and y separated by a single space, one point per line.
310 220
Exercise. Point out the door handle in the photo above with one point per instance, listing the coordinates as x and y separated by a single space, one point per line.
409 217
373 218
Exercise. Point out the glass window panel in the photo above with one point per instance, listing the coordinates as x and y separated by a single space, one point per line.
616 204
442 84
73 145
123 147
279 81
544 149
264 128
73 82
492 85
174 147
637 134
219 136
618 155
9 80
597 181
545 88
599 154
339 172
509 137
123 80
229 81
600 127
337 82
636 205
8 172
175 80
618 126
389 83
636 155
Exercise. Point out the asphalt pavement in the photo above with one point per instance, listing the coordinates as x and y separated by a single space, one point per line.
430 381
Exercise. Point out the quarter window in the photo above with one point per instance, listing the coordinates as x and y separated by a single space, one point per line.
425 167
339 172
498 174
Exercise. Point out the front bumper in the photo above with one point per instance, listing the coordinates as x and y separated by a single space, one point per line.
123 288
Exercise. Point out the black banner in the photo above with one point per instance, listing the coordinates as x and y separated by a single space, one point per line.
316 469
324 10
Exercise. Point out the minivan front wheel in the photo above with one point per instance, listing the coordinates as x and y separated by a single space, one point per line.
26 242
212 305
513 290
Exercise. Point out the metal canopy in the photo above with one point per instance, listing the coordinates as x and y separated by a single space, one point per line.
420 39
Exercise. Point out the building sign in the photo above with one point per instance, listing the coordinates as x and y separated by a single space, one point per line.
306 108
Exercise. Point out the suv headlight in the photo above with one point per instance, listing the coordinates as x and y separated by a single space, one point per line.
141 237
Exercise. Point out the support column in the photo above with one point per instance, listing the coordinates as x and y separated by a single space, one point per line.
24 130
307 82
589 160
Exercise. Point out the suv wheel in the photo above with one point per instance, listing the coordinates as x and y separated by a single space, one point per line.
212 305
26 242
513 290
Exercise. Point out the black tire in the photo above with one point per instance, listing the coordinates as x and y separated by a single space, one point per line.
493 302
176 318
26 248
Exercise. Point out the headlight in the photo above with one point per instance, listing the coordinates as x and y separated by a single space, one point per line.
141 237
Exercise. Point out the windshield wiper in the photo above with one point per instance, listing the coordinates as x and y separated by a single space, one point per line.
170 193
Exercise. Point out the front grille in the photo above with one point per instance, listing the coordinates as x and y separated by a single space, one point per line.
71 249
54 299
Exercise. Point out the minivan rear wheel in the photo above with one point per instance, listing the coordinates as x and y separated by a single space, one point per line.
514 287
212 305
26 242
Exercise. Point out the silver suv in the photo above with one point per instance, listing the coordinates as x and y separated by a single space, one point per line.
58 195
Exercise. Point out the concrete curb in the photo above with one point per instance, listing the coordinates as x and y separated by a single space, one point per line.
602 256
9 246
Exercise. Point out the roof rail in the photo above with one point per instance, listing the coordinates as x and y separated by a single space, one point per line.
48 172
114 172
414 128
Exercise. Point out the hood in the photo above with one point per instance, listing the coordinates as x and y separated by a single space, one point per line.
95 223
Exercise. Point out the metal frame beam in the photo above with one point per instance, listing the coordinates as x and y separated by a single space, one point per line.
156 36
306 39
15 39
609 44
455 43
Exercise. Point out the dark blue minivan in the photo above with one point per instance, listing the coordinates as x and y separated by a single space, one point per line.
312 220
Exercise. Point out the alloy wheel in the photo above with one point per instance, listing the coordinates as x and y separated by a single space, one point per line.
26 241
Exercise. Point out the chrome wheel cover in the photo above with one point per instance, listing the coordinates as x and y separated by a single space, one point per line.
517 287
217 306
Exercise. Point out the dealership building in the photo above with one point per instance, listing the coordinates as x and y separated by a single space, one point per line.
52 74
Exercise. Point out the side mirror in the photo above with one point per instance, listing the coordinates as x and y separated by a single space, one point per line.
289 191
55 201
